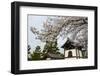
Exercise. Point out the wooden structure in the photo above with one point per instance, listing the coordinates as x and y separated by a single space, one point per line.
71 50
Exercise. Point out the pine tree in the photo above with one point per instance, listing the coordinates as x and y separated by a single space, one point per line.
51 47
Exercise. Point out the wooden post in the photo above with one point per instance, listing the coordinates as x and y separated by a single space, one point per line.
76 54
64 53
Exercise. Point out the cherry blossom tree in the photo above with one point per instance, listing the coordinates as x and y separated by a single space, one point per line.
61 26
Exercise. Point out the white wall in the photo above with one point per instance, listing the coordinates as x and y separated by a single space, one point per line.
73 52
5 39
